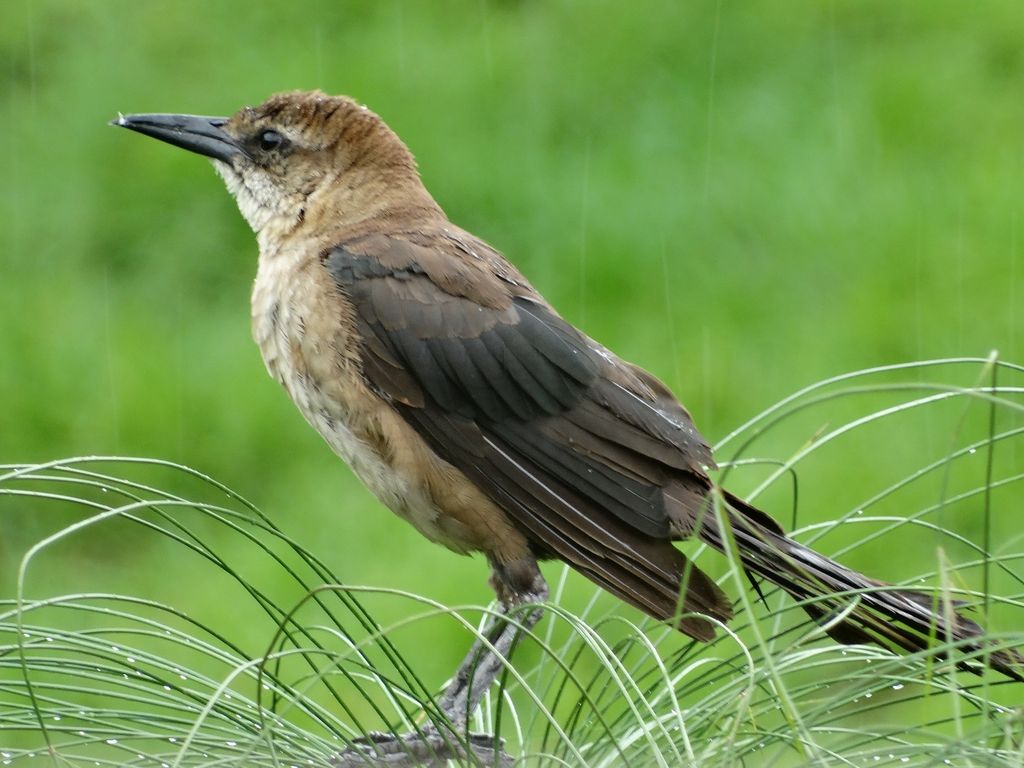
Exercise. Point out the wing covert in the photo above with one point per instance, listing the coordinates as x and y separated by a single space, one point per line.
594 461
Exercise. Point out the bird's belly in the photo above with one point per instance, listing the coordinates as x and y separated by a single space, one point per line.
403 493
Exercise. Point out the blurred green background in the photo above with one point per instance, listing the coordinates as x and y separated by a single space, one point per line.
742 197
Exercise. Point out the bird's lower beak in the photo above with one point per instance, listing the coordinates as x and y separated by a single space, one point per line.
202 135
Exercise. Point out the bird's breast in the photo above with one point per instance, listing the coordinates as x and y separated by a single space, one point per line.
306 334
303 329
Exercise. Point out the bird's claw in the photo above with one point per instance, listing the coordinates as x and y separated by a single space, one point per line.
422 750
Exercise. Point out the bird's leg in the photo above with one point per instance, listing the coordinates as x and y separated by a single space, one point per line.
516 584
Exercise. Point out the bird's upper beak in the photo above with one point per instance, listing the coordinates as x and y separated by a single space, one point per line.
203 135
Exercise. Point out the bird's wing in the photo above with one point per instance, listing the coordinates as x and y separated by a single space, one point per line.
592 458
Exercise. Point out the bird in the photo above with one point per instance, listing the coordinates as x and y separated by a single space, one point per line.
473 410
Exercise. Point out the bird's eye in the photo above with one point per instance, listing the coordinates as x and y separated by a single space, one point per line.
270 140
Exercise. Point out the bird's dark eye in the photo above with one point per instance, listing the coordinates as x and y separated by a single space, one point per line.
269 140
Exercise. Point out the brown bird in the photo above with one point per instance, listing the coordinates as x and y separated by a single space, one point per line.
468 406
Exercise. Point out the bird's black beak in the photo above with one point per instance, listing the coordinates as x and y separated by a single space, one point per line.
202 135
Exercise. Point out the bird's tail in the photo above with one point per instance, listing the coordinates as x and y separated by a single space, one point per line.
882 614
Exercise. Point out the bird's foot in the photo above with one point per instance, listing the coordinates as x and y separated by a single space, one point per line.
435 746
423 750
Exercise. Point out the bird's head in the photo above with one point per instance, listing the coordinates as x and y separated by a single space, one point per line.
295 154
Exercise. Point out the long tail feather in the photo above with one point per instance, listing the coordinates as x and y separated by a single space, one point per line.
884 615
